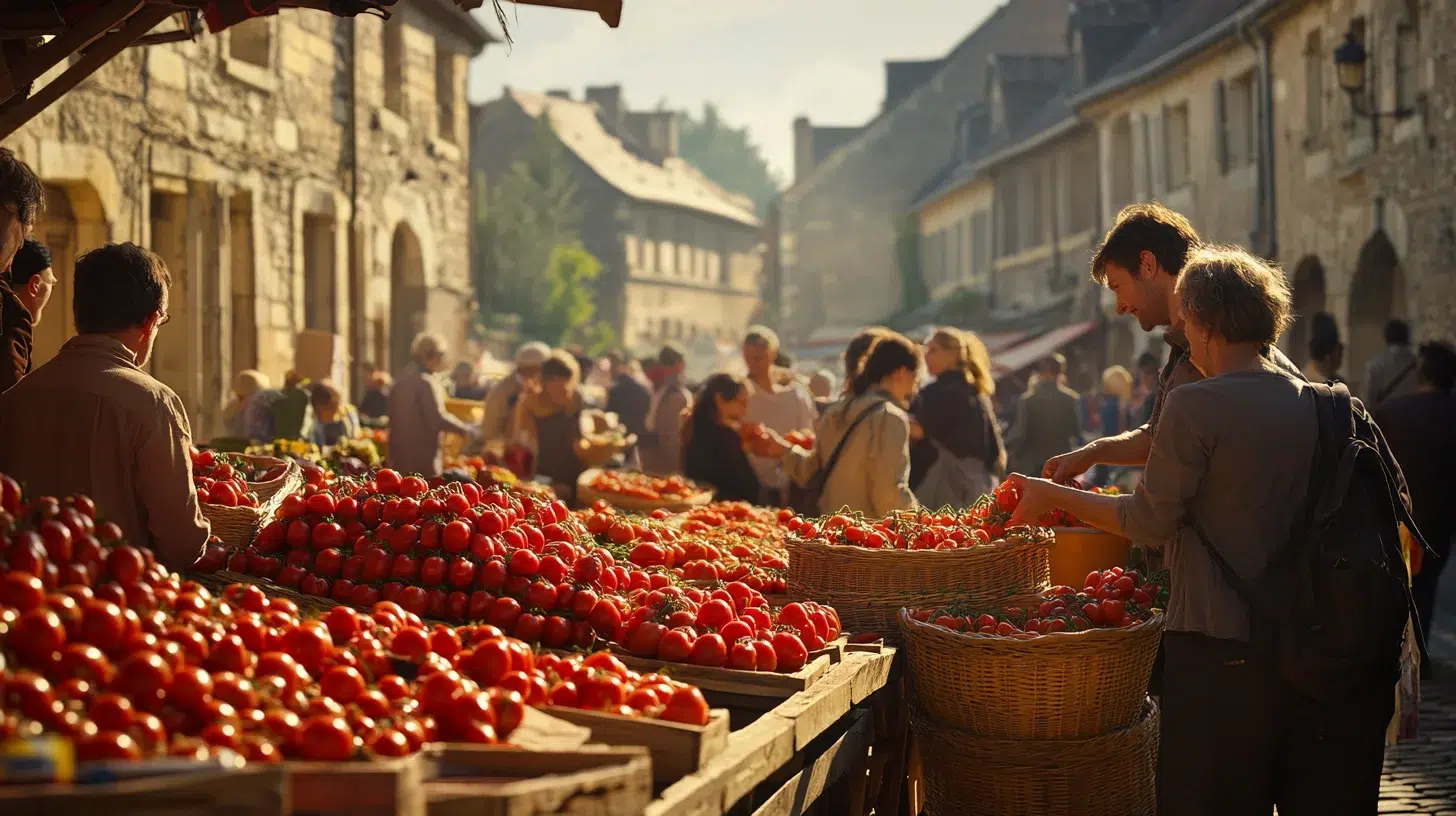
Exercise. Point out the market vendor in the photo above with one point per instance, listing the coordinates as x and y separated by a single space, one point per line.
549 416
1234 452
93 421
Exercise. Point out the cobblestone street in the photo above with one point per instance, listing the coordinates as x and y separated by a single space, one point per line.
1420 776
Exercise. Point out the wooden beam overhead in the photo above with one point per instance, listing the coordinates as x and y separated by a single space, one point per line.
76 38
15 113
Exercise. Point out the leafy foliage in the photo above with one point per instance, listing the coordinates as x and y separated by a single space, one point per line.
529 261
728 156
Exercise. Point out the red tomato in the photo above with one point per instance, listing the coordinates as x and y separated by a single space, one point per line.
326 739
789 652
686 706
709 650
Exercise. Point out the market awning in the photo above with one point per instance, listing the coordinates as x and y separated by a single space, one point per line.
1024 355
38 35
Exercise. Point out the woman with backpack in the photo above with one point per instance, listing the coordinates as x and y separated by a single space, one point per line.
861 458
1243 727
956 453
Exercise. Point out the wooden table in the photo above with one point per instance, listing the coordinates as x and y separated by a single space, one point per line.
838 747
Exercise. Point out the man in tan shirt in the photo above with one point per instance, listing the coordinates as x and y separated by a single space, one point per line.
93 421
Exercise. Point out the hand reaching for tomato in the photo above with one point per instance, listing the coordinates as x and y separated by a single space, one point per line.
1037 497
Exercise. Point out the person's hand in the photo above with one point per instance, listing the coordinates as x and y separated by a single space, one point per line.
917 431
1063 469
1037 497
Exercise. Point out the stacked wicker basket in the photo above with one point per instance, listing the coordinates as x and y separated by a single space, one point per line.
238 526
868 587
1042 726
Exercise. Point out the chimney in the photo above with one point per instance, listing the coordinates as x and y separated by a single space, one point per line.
559 93
608 99
803 147
656 132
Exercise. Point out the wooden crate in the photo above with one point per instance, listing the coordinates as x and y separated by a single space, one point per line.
773 685
251 791
472 780
380 788
677 749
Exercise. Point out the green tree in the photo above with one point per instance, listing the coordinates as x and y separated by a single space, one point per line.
571 272
529 212
728 156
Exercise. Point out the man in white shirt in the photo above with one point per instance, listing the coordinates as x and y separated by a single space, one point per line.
776 401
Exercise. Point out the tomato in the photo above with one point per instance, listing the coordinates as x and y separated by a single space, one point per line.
487 663
326 739
605 617
767 658
601 691
645 639
715 614
505 612
743 656
676 645
437 692
686 706
509 710
709 650
563 694
342 684
107 745
605 661
1110 612
789 652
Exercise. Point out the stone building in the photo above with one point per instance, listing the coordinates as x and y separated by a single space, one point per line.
681 257
843 222
298 171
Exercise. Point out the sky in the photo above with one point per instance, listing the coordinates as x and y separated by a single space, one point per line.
762 62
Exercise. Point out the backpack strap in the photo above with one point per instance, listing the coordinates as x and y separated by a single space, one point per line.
844 440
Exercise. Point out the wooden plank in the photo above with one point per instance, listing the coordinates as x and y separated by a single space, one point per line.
382 788
834 649
872 643
872 672
846 755
677 749
73 39
544 731
250 791
13 116
733 681
485 780
813 711
753 754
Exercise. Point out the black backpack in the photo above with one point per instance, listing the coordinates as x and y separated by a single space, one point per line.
1332 606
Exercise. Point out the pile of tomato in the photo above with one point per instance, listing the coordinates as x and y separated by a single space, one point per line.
101 645
908 529
219 481
732 627
641 486
1110 599
703 545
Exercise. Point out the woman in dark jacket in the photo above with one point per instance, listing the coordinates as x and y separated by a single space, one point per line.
712 448
954 414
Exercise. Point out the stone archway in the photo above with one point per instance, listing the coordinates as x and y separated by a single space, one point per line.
407 294
74 222
1377 293
1309 299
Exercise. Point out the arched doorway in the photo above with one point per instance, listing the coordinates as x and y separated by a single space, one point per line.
406 294
74 222
1309 300
1377 293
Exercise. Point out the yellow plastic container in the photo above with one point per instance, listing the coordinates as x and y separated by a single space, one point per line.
1077 551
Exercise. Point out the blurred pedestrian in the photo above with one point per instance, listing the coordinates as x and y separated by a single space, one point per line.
1326 350
334 419
1391 373
24 292
661 448
497 424
22 200
777 403
956 451
375 402
417 414
629 398
1048 421
234 414
465 382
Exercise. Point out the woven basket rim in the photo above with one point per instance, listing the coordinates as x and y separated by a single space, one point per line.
793 541
926 629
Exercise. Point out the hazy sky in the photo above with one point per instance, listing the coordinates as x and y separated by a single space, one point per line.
763 62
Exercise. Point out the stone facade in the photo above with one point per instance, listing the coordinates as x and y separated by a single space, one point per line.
682 259
233 155
841 221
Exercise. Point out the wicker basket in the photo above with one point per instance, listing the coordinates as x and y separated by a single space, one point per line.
869 587
1113 774
1058 686
236 526
290 481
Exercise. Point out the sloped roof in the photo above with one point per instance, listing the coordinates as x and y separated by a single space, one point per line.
1181 30
1025 26
674 182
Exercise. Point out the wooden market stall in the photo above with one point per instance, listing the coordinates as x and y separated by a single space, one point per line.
37 36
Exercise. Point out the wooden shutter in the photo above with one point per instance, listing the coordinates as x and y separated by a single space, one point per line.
1220 116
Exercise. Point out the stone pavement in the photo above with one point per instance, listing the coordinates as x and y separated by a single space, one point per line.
1420 776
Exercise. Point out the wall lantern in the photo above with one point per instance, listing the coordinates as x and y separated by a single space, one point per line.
1350 61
